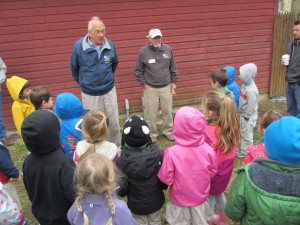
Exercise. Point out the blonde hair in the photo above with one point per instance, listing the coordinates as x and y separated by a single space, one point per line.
95 175
95 129
226 119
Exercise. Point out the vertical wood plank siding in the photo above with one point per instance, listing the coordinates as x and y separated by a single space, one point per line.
283 33
37 38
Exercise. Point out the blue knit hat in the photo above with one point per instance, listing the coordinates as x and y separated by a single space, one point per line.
282 140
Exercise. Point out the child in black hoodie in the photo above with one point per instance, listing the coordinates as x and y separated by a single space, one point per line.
47 172
140 160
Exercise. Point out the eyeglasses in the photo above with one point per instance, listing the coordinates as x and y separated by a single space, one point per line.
103 31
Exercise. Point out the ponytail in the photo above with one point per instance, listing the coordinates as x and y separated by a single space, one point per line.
91 149
79 208
112 207
228 127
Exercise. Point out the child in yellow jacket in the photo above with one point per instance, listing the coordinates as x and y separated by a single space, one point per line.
19 89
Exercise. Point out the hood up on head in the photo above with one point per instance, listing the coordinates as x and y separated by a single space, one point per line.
40 132
136 132
15 85
282 140
231 73
189 127
68 106
248 73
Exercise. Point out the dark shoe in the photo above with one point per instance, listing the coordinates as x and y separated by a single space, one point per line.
241 153
10 140
169 137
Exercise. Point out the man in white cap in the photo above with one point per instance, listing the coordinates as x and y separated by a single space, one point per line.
156 71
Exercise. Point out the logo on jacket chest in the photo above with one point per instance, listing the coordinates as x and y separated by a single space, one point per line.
107 59
166 56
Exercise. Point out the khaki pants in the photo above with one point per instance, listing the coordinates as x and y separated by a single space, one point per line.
107 103
152 97
151 219
177 215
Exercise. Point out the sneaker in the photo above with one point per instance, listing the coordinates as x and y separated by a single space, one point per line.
241 153
169 137
10 139
8 142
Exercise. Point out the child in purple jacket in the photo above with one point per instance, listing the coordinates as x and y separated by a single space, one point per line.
97 203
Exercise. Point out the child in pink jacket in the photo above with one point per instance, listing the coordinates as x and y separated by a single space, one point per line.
188 168
222 133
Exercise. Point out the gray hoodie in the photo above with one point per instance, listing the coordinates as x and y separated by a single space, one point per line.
249 93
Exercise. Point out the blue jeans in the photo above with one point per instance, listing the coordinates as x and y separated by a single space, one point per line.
293 99
2 125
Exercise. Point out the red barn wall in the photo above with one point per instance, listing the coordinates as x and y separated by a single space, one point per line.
37 36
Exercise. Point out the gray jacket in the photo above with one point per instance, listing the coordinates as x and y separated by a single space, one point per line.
3 70
156 67
293 69
248 97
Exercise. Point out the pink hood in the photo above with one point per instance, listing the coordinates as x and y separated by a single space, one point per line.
189 166
189 127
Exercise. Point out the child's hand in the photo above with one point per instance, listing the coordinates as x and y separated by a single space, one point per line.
19 179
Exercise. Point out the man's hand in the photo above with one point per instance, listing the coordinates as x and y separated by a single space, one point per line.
146 86
173 86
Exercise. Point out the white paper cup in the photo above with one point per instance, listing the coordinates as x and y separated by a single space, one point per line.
286 59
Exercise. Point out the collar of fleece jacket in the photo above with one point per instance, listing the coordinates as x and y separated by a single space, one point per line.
40 132
189 127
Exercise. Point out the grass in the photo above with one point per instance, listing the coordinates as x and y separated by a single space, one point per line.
18 152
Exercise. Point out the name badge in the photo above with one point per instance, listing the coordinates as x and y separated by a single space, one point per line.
151 60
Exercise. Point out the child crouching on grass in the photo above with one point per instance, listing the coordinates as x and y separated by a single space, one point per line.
258 150
188 168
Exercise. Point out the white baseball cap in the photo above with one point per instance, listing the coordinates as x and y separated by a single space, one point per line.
154 33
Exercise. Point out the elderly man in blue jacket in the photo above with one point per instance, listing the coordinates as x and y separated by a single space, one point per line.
93 63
